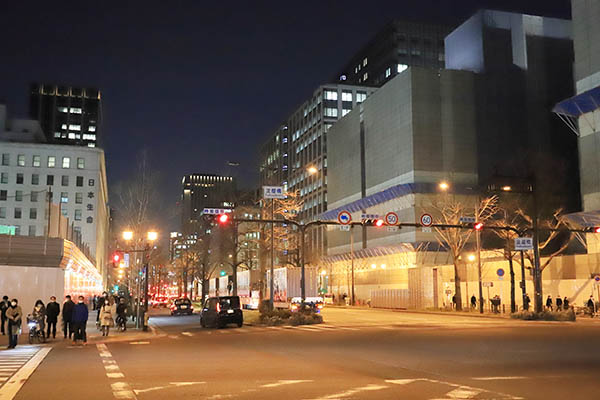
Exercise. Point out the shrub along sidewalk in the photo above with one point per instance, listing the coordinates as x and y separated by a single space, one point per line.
545 315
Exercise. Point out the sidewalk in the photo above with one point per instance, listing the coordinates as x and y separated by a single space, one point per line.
94 334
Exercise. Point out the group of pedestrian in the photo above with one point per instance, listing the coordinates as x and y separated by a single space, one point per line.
112 311
74 318
561 303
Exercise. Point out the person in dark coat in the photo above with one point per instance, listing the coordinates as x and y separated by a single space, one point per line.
14 315
559 303
79 319
590 305
526 302
52 311
39 314
566 303
67 316
473 302
549 303
4 304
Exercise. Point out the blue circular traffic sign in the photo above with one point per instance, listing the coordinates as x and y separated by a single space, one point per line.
500 272
344 217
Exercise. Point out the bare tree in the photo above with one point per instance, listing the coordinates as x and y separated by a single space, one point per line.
455 239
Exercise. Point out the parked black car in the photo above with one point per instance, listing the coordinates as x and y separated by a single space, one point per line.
219 311
182 306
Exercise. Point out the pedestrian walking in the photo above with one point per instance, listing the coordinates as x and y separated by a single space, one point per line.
38 314
79 319
526 302
52 311
100 303
14 316
590 305
106 317
473 302
453 301
122 314
67 316
566 303
559 303
4 304
549 303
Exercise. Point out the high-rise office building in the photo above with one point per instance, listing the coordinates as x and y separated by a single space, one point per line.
200 191
68 115
398 45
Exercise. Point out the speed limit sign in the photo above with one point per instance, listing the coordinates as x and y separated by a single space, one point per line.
391 218
426 220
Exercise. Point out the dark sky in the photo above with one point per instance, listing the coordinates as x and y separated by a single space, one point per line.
198 83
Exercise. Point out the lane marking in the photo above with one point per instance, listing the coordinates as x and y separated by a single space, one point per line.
464 393
10 389
172 384
139 342
284 382
459 391
498 378
187 333
351 392
121 390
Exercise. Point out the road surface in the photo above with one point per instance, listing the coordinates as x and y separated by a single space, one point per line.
356 354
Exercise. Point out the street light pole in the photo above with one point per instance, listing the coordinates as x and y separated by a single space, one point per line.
271 285
302 275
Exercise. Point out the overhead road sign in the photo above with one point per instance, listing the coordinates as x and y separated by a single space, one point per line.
426 220
523 243
391 218
216 211
273 192
344 217
466 220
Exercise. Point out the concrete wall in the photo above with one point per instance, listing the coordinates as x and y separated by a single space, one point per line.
586 35
28 284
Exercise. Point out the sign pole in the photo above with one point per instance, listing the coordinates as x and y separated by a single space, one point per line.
352 259
271 285
523 278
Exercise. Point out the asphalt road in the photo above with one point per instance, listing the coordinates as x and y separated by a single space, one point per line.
356 354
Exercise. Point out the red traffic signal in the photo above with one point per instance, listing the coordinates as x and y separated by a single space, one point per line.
478 226
376 222
223 218
596 229
116 258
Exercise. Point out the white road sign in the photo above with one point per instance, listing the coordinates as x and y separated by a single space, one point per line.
467 220
216 211
524 243
344 217
345 228
391 218
426 220
273 192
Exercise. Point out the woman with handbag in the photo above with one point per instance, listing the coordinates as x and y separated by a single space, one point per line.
14 314
106 317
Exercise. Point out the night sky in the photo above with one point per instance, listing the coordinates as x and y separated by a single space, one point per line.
199 83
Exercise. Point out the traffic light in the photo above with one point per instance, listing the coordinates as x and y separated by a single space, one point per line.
478 226
116 259
594 229
376 222
223 219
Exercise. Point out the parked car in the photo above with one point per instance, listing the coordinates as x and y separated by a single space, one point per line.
219 311
314 304
182 306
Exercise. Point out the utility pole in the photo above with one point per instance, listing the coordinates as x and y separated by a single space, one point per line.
352 260
234 260
271 285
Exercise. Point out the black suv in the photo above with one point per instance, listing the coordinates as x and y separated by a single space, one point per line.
219 311
182 306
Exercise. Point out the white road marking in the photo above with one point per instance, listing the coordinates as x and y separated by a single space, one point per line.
10 389
498 378
459 392
224 331
121 390
187 333
351 392
115 375
284 382
139 342
172 384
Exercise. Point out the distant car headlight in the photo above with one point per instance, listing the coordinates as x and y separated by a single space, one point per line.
31 325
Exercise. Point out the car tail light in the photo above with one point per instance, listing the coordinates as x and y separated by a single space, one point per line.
320 306
218 307
294 307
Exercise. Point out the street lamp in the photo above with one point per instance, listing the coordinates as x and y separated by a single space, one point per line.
312 170
151 236
443 185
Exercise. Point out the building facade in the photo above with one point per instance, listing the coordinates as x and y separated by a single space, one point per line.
295 157
486 115
200 191
68 115
34 176
398 45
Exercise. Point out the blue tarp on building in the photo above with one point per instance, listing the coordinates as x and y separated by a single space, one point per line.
581 104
